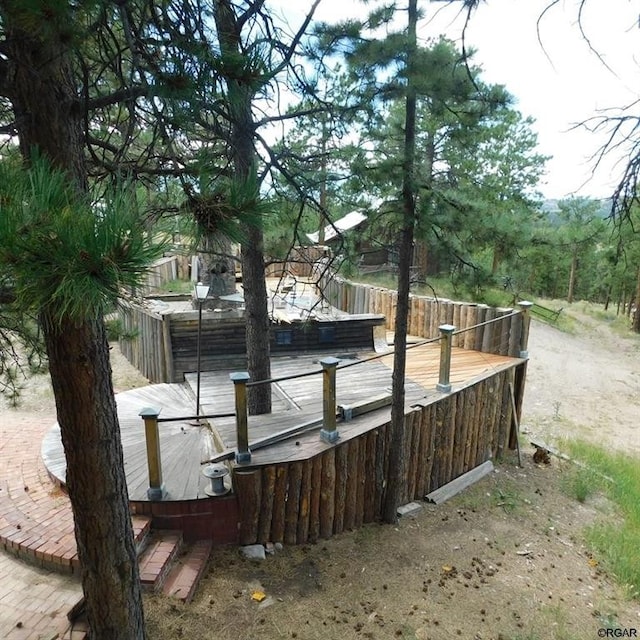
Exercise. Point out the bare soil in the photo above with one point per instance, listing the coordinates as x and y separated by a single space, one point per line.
504 560
585 384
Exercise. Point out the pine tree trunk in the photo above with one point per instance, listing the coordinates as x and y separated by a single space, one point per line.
396 445
240 93
572 275
87 414
41 86
495 263
257 321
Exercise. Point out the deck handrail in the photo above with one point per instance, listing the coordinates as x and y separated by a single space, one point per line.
329 367
514 312
198 417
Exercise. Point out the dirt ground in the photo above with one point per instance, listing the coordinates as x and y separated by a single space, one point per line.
585 384
504 560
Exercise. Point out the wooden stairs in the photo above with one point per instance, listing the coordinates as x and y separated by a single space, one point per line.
166 564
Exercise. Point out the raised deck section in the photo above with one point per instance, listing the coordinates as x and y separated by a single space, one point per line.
185 446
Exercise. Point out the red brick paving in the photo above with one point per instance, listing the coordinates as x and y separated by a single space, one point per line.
36 524
184 576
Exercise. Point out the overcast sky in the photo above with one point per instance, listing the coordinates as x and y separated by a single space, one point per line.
560 82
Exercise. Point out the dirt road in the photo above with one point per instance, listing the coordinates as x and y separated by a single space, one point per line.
585 384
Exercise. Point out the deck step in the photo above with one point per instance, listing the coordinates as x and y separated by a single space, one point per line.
158 556
141 529
187 570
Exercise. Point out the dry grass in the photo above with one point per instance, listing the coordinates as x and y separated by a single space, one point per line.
470 568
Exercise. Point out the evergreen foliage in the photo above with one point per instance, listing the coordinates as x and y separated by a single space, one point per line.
62 254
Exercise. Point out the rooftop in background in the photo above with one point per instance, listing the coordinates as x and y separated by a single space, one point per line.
331 231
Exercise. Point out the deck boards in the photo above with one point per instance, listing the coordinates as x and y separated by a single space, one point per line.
184 446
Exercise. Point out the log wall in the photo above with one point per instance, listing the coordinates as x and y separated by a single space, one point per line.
146 341
164 347
426 314
343 486
162 271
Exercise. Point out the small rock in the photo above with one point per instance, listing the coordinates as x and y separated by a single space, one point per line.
253 552
409 509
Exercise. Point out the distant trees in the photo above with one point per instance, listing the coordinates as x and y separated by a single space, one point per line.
579 229
476 165
620 127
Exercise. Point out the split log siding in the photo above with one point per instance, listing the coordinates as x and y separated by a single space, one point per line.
426 314
343 487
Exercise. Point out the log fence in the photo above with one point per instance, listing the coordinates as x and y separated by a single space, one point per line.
427 314
342 485
162 271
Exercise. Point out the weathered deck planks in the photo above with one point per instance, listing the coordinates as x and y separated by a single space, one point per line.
185 446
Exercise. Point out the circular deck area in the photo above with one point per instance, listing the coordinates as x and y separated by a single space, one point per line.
184 445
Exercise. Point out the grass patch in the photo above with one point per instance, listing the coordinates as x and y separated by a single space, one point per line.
616 543
581 483
177 286
617 322
507 497
565 323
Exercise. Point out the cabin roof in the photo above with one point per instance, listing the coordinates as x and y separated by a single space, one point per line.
337 228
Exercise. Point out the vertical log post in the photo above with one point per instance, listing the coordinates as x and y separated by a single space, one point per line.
154 463
525 307
446 331
329 432
240 379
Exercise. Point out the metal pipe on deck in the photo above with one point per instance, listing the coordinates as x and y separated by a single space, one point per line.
201 293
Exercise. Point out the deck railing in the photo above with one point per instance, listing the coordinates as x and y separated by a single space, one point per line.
329 431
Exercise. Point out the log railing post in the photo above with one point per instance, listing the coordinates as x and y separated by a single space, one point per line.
152 436
240 379
446 331
329 432
525 307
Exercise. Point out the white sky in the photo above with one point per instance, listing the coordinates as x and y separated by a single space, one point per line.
558 85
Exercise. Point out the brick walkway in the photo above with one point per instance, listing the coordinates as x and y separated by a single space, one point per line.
34 602
36 524
35 515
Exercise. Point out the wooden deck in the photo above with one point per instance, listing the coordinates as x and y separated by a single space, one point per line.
185 446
